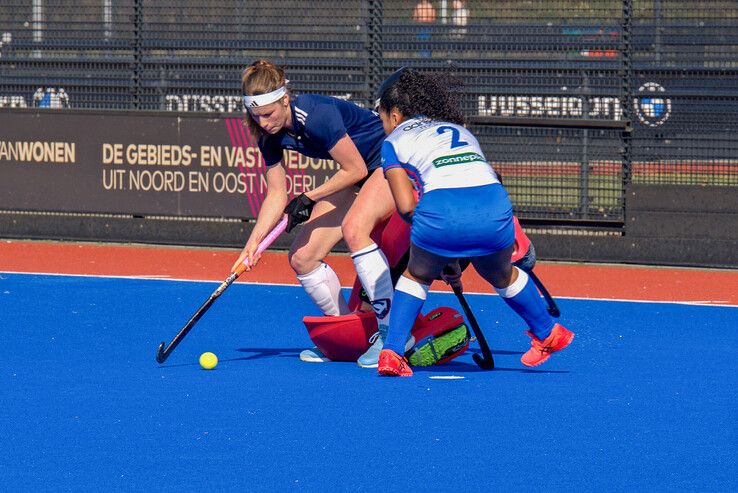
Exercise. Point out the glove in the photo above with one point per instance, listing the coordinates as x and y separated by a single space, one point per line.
298 210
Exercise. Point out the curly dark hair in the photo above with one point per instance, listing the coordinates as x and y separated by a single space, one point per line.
436 96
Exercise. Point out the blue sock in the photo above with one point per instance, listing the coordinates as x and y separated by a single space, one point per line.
406 304
522 296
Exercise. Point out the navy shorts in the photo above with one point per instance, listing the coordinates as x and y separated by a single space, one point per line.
464 222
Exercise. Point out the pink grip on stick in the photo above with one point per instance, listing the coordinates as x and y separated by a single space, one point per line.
264 244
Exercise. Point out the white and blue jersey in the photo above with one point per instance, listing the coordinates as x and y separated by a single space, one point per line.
463 209
318 123
437 155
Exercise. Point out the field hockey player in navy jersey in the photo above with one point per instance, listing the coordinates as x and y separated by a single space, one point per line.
349 205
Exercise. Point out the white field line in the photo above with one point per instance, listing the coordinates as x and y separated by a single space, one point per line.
722 303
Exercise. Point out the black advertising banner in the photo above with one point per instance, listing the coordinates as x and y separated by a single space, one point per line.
140 164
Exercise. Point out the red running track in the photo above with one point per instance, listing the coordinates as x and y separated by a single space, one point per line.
591 281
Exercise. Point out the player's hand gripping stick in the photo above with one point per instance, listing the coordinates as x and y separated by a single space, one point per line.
164 351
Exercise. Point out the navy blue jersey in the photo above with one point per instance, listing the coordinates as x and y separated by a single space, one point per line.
318 123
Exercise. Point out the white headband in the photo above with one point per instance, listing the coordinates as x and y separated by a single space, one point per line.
263 99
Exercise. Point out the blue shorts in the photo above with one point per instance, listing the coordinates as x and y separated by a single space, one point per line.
464 222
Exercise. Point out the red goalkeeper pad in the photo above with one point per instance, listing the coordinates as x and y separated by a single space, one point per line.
438 337
342 338
346 337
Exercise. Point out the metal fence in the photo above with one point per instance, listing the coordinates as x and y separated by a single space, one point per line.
571 100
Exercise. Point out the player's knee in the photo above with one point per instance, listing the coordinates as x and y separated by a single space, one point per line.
301 261
500 278
355 233
421 275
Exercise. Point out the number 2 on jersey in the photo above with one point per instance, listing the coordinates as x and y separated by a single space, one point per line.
455 141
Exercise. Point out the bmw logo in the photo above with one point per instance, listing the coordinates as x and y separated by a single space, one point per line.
652 108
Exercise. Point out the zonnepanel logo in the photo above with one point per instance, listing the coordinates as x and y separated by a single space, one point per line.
652 108
466 157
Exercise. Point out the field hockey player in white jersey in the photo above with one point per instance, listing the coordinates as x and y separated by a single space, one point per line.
463 212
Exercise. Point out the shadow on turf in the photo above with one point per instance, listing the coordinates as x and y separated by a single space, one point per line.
264 352
462 367
258 353
454 366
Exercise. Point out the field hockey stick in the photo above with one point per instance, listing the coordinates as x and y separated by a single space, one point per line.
485 360
552 308
164 351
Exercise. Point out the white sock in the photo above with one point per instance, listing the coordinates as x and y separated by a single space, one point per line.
374 274
323 286
516 287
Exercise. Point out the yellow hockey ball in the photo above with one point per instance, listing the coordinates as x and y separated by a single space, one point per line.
208 361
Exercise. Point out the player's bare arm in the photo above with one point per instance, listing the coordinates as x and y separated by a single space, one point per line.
402 191
269 214
352 169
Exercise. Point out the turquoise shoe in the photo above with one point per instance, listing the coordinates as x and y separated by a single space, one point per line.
370 359
313 355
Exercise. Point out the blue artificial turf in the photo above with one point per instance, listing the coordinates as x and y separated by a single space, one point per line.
645 399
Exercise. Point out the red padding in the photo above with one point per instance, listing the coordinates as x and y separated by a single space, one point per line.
436 322
346 337
522 242
342 338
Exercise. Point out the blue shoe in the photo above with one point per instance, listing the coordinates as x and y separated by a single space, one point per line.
370 359
313 355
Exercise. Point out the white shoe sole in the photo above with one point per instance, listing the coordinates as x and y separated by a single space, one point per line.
313 359
410 343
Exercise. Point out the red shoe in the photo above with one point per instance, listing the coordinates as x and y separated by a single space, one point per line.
392 364
541 350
